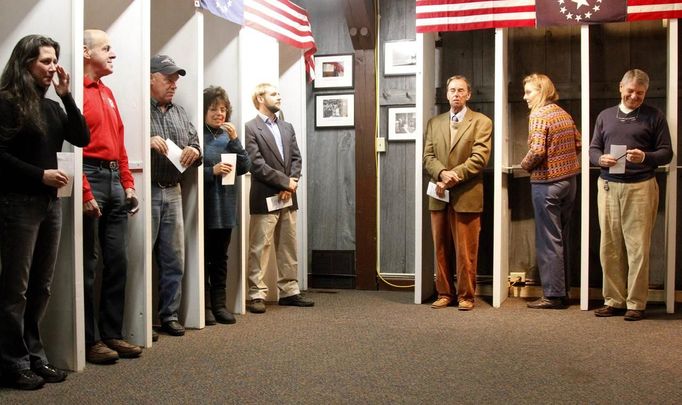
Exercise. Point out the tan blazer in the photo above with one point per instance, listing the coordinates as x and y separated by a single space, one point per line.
468 156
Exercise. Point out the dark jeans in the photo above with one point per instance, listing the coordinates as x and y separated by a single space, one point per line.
216 243
30 227
110 230
553 204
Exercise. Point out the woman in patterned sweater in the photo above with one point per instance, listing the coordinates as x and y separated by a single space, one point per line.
553 164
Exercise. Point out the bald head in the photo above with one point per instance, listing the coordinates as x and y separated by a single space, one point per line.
98 57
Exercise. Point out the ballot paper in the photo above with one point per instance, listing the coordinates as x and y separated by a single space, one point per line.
618 152
274 203
173 155
229 158
66 163
431 192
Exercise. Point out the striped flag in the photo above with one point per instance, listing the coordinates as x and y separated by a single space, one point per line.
280 19
654 9
463 15
286 22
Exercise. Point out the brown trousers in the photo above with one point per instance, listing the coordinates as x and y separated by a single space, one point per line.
456 233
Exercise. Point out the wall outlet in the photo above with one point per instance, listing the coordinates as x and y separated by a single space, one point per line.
517 276
380 144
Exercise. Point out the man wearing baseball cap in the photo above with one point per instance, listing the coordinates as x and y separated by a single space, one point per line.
169 122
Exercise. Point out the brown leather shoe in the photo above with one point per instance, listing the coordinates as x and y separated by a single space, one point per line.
257 306
465 305
634 315
441 302
99 353
124 349
607 310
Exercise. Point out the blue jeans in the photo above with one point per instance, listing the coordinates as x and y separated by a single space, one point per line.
169 248
30 227
553 205
111 231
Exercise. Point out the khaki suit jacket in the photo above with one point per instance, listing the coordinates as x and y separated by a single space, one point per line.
468 156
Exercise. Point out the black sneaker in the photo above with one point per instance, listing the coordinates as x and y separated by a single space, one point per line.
296 301
23 380
173 328
50 373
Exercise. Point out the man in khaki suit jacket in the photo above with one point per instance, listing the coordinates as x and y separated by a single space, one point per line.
456 150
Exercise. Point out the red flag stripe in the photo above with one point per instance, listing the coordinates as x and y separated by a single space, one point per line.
257 17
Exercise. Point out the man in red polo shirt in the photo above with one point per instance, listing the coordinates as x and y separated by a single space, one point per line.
108 198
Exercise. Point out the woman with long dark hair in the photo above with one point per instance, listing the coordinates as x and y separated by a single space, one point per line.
553 163
32 131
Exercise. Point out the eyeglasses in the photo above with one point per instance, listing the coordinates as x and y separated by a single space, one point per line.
624 117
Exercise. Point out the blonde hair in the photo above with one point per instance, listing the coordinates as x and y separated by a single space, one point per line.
458 77
259 91
548 93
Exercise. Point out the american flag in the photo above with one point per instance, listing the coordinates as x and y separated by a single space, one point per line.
280 19
463 15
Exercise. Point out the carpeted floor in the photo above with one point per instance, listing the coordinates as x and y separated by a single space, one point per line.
379 348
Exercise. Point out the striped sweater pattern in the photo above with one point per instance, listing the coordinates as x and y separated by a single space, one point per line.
553 145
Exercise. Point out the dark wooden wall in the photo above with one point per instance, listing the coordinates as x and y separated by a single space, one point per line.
331 152
396 165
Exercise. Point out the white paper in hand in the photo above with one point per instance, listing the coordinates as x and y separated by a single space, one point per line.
618 152
431 192
231 159
274 203
66 163
173 155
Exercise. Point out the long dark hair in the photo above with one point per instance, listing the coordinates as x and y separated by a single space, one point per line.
18 86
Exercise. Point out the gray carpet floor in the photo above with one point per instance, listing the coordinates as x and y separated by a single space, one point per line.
378 348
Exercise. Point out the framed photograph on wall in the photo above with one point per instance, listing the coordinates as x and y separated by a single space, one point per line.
333 71
400 58
334 110
402 123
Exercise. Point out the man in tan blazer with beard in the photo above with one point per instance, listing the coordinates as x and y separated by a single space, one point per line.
456 150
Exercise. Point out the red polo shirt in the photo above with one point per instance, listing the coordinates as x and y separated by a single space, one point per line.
106 132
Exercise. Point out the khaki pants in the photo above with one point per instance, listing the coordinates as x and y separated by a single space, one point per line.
278 229
627 212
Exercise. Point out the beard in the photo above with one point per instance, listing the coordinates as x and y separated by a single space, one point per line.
272 108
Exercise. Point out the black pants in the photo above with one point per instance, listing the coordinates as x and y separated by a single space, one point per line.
216 243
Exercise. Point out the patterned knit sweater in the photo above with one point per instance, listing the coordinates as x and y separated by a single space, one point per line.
553 143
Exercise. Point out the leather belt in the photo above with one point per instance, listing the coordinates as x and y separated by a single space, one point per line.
104 164
166 185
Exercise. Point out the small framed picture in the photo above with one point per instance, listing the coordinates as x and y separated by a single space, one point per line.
402 123
334 110
333 71
400 58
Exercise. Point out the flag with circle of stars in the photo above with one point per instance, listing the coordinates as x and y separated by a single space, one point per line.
574 12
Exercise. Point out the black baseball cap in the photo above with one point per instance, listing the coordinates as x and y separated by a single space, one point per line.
164 64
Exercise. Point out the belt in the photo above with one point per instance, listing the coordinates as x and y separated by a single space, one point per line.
165 185
104 164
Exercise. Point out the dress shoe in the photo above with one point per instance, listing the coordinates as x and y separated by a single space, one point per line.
634 315
173 328
50 373
99 353
257 306
209 319
23 380
155 335
296 301
607 310
547 303
224 316
465 305
124 349
441 302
